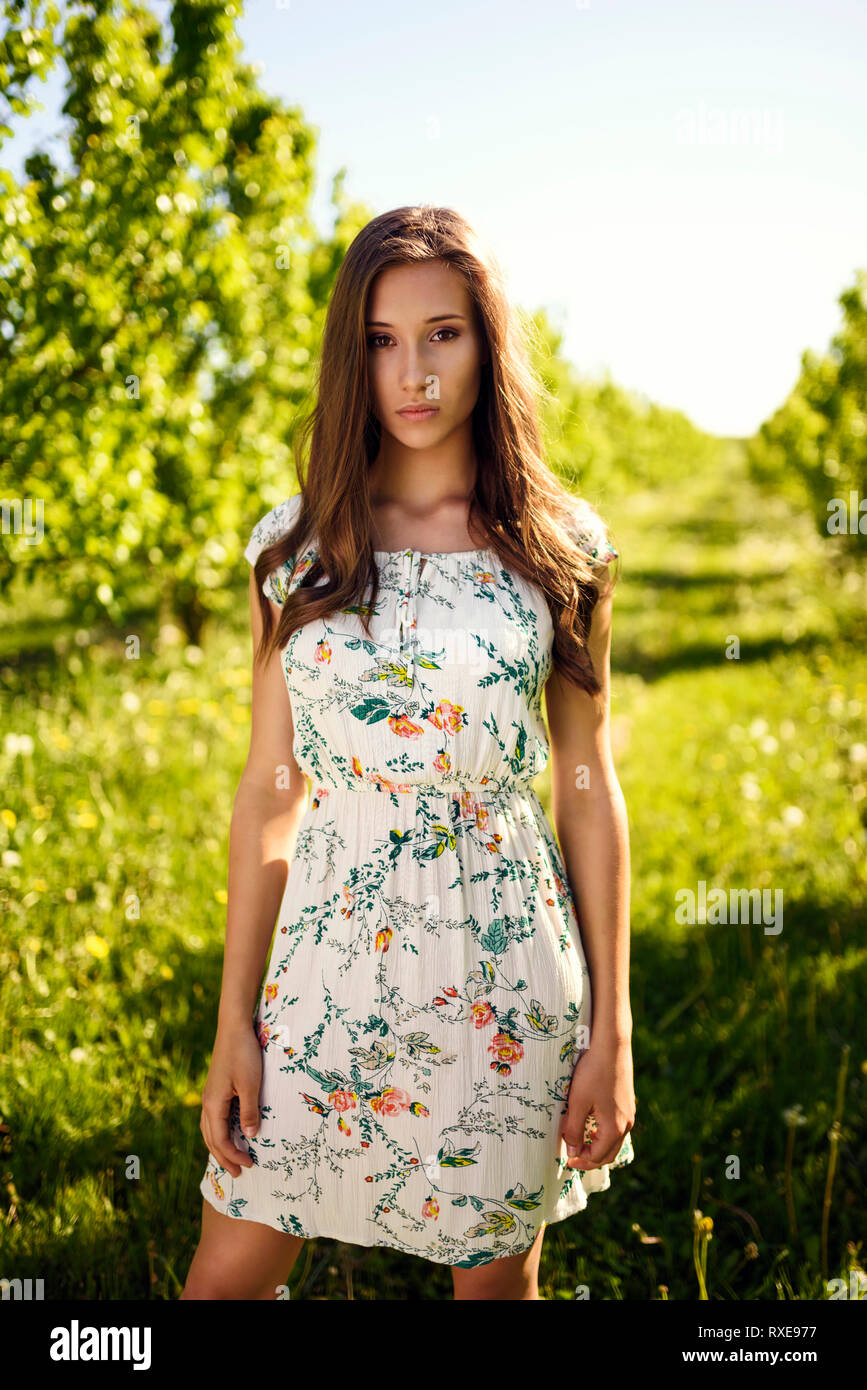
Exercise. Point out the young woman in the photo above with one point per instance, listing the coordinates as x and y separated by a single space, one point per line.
419 1068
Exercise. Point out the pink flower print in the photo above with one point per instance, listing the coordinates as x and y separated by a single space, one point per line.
403 727
448 716
483 576
343 1100
323 650
385 785
271 992
349 901
392 1101
265 1035
467 804
431 1208
506 1049
482 1014
442 762
481 816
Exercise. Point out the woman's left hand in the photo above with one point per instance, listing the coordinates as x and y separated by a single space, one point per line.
601 1090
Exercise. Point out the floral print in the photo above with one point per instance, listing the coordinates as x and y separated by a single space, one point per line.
427 995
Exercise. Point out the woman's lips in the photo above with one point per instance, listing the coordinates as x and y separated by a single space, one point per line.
422 412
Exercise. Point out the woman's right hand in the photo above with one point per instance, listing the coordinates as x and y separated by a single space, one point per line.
236 1070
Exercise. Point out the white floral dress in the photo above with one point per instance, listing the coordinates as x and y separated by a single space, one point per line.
427 995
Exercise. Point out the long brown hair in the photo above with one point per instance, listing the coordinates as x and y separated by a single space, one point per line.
528 517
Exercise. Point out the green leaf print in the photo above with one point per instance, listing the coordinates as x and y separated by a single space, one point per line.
516 761
354 643
495 938
445 839
538 1019
481 1257
522 1199
493 1223
392 672
373 1057
417 1043
481 981
375 1024
450 1157
371 711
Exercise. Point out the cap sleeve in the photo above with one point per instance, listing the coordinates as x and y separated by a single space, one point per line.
591 534
284 578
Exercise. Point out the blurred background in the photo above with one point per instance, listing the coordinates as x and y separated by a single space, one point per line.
678 197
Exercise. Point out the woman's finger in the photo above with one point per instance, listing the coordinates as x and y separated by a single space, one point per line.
225 1152
577 1126
592 1143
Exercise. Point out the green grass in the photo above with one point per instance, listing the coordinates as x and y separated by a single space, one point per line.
747 773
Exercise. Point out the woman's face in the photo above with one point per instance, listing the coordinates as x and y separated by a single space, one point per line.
423 347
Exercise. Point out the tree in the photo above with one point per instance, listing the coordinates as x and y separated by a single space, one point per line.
818 437
160 307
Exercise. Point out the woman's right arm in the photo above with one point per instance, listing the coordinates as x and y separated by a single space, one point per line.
269 804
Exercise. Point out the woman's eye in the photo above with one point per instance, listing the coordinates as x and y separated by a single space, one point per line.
375 338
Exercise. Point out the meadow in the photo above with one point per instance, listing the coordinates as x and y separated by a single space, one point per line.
743 767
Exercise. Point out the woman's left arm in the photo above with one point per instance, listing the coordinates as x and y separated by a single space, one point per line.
589 813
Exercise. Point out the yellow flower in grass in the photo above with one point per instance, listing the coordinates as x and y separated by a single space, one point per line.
97 946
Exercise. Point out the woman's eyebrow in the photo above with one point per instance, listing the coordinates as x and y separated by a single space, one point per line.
437 318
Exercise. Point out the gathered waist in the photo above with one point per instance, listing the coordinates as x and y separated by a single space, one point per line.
381 789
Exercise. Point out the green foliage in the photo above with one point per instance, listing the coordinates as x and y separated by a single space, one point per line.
160 307
814 448
27 50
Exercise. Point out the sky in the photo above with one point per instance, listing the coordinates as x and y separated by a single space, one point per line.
682 184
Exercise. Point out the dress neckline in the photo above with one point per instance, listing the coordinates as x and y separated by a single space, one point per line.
431 554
